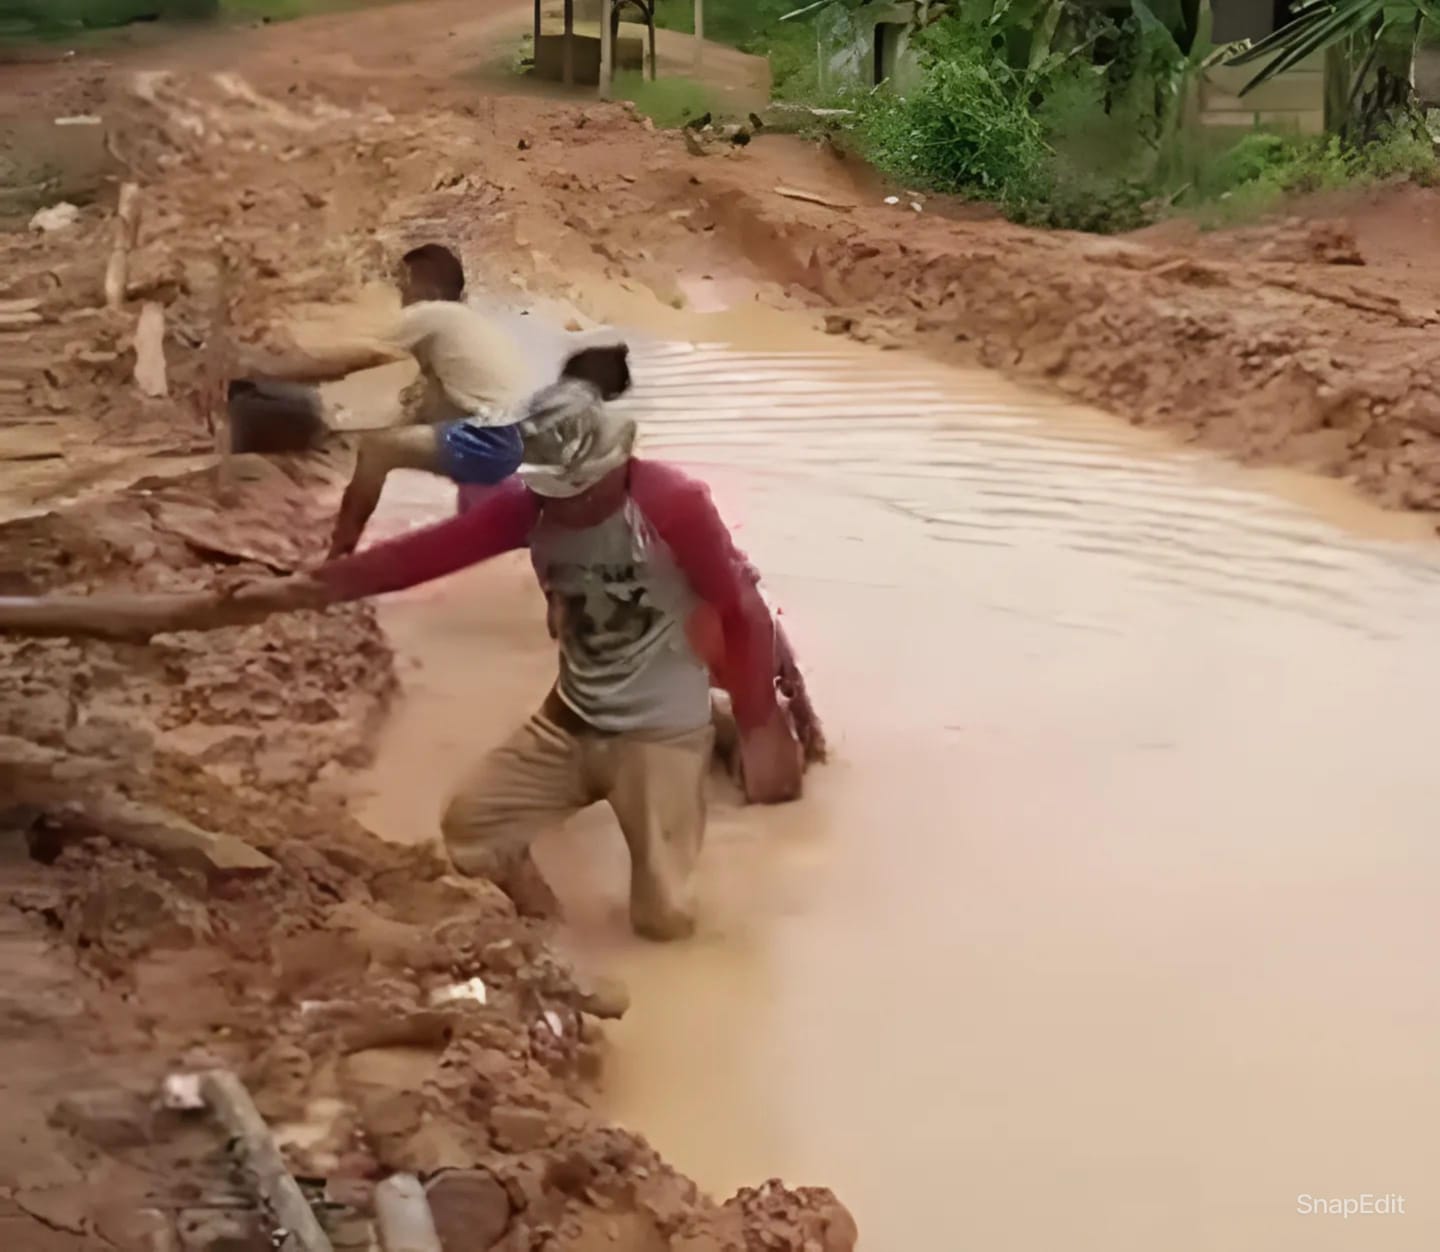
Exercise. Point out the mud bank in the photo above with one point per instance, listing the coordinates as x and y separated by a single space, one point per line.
1269 347
1285 345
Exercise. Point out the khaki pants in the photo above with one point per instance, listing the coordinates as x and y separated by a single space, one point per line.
654 783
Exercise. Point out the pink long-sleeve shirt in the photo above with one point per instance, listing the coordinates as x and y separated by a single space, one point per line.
649 603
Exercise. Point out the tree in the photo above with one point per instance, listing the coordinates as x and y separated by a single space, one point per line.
1370 57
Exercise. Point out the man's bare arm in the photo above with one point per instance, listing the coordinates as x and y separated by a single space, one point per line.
329 363
138 617
499 524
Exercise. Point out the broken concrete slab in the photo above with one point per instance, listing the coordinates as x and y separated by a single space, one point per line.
471 1208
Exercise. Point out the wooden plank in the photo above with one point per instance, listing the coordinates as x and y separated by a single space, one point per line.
1300 91
127 234
1308 122
812 197
1301 121
1233 77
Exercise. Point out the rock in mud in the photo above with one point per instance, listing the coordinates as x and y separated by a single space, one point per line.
520 1129
601 996
471 1209
109 1119
604 1232
171 837
127 915
57 217
806 1218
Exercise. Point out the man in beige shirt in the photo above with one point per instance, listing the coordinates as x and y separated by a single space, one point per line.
456 418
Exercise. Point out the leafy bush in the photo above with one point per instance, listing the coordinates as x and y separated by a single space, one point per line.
965 127
1104 148
1251 177
1079 200
1055 139
1399 153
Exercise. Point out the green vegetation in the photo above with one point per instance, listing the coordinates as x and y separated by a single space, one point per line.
58 17
967 124
754 26
66 19
1255 175
283 10
1371 45
668 102
1085 115
1078 125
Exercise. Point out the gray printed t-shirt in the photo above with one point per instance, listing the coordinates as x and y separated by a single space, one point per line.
618 604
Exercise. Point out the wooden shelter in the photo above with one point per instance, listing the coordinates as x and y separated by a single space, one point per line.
577 52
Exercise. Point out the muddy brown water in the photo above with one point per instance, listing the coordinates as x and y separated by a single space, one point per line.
1111 926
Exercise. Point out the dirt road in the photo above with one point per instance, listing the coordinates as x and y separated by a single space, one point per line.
1092 828
1308 344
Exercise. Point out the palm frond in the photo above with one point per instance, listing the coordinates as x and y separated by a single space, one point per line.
1305 19
1317 28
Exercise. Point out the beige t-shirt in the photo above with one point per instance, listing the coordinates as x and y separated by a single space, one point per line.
470 365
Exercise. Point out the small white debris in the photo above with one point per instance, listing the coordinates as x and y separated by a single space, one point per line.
60 216
80 119
892 199
471 989
915 204
552 1019
182 1091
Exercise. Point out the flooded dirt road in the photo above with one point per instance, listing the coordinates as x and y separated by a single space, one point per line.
1111 924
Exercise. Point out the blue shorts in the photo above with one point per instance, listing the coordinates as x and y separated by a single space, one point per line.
481 456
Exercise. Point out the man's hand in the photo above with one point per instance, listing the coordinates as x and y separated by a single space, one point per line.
279 357
772 765
259 597
346 537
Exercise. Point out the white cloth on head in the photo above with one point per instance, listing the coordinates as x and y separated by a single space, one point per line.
571 440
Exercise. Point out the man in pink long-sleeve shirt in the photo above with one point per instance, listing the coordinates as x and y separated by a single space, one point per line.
649 602
647 598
